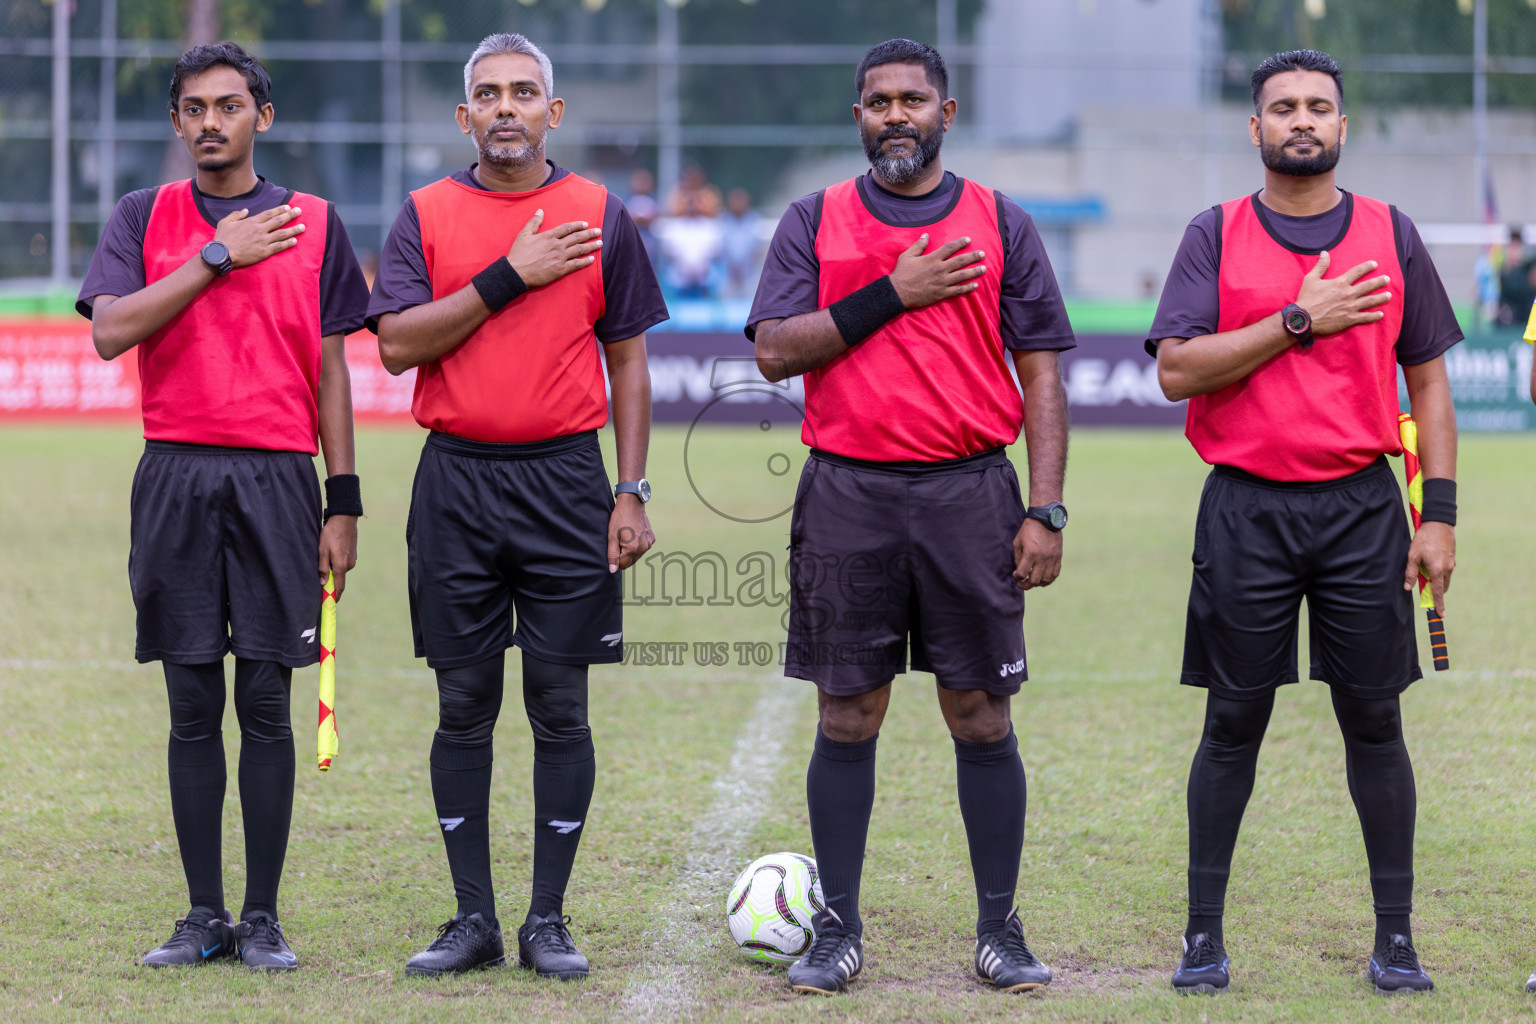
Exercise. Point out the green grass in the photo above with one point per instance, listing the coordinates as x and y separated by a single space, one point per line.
89 874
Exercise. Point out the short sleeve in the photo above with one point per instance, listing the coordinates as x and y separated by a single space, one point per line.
1190 306
631 295
117 265
790 282
1429 325
1034 315
402 281
343 289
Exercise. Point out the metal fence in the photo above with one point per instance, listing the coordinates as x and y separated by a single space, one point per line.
364 88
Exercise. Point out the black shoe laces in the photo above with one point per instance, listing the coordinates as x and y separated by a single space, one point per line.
1012 943
1203 953
264 929
1400 955
554 934
183 935
453 934
826 949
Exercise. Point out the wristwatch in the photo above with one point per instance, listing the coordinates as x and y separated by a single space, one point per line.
216 256
1054 515
639 488
1298 324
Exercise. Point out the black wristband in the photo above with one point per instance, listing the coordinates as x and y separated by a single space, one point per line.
867 310
1439 505
343 496
498 284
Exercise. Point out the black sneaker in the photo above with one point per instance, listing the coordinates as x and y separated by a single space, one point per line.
544 944
1396 968
462 944
198 938
1003 959
260 943
835 957
1205 967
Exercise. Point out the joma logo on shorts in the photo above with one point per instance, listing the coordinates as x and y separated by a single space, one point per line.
1011 668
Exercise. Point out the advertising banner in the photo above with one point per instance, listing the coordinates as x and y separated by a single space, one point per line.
49 370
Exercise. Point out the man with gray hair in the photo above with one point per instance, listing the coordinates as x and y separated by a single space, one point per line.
514 536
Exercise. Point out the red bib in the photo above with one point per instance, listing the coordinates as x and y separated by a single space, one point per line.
1307 414
933 383
531 371
240 365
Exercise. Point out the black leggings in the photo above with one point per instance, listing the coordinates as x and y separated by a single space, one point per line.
469 702
196 760
1380 782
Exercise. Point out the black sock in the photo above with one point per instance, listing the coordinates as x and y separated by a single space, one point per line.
262 691
461 790
992 789
839 794
563 777
468 703
195 761
1220 783
1381 784
564 772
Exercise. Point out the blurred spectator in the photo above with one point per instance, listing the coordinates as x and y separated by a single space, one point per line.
741 243
1516 291
691 255
694 196
643 208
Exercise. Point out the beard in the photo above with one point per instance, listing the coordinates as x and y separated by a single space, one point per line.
510 157
907 168
1278 160
214 163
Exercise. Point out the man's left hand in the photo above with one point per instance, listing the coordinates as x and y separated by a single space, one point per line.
338 549
629 533
1433 553
1036 555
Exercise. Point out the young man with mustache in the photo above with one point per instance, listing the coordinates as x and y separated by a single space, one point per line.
490 285
237 294
902 296
1284 320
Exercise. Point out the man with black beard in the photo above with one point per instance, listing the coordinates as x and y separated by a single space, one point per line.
514 536
908 522
1291 377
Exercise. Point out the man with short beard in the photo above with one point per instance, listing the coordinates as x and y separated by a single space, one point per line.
1291 377
514 536
908 521
235 295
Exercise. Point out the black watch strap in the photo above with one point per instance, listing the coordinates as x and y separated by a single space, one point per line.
1298 324
1054 515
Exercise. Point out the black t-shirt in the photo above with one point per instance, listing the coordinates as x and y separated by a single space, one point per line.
632 298
1033 315
1190 306
117 267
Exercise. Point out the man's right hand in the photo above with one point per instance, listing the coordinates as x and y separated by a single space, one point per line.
540 258
252 239
921 280
1346 301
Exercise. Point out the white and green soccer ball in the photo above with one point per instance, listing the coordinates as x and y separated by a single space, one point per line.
772 905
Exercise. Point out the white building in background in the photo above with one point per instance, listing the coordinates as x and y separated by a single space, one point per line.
1042 63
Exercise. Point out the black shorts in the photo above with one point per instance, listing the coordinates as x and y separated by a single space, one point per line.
879 552
224 554
508 544
1261 546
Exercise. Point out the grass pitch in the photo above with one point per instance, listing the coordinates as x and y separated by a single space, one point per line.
701 768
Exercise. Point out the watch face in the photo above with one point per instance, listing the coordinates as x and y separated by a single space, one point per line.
645 489
1297 322
1058 516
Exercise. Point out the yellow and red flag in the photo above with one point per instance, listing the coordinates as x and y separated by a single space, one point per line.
1409 432
329 740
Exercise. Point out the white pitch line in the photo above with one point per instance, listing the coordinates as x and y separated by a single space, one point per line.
664 987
